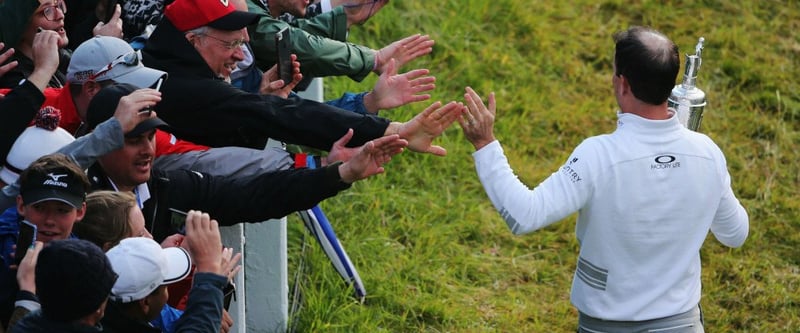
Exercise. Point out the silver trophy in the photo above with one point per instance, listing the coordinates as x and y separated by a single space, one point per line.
686 98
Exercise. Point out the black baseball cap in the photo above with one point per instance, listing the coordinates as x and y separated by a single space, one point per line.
58 184
104 104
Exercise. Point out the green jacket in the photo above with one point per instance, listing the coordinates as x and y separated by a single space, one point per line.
319 44
15 14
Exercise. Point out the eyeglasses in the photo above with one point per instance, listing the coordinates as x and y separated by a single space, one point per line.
230 45
49 12
127 59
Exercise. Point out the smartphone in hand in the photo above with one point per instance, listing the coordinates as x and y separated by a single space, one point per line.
25 239
284 50
111 6
178 220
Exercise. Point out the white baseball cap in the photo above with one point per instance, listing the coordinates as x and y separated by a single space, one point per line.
143 266
109 58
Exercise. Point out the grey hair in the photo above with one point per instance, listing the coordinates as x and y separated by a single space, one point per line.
199 30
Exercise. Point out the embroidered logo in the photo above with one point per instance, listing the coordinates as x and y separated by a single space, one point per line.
54 180
665 162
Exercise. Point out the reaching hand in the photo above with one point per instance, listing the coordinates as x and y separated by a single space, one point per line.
393 90
339 151
371 157
128 110
428 125
478 120
112 28
4 57
204 242
403 51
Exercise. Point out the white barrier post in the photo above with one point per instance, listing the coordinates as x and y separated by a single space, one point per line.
262 288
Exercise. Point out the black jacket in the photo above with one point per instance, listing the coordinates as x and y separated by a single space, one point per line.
203 310
36 322
229 200
18 107
202 108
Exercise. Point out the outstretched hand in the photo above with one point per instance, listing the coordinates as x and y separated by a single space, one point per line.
371 157
271 83
128 110
403 51
428 125
478 120
393 90
339 151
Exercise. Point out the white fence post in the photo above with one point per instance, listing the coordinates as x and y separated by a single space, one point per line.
262 288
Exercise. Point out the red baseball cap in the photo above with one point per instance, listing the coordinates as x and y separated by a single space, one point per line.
220 14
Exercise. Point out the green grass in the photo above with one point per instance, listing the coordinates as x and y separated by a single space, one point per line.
432 251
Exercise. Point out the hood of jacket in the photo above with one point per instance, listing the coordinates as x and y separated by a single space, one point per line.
168 50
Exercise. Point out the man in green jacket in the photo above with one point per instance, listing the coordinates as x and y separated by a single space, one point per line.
320 43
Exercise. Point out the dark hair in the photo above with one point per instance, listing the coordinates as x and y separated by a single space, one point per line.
47 163
106 221
649 61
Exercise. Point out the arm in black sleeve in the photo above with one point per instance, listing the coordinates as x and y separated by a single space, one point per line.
219 114
18 109
232 200
204 306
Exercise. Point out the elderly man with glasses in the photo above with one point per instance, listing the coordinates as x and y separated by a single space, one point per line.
202 107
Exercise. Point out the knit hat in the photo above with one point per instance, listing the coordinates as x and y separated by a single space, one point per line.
110 58
186 15
44 137
73 277
105 102
143 266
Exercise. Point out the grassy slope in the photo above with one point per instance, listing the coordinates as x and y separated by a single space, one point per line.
432 251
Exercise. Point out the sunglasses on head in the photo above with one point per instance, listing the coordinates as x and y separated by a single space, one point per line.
127 59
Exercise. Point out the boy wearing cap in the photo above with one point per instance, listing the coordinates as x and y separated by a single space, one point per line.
73 281
145 270
52 197
198 43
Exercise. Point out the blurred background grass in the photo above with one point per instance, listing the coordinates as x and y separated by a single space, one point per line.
432 251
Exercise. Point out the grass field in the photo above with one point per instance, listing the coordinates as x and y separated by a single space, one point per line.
432 251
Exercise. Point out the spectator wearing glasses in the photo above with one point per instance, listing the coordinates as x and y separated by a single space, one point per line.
201 107
231 199
21 22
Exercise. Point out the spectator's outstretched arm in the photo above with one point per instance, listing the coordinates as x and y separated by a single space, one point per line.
393 90
371 157
109 135
427 126
403 51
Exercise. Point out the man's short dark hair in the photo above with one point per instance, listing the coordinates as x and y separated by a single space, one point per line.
649 61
